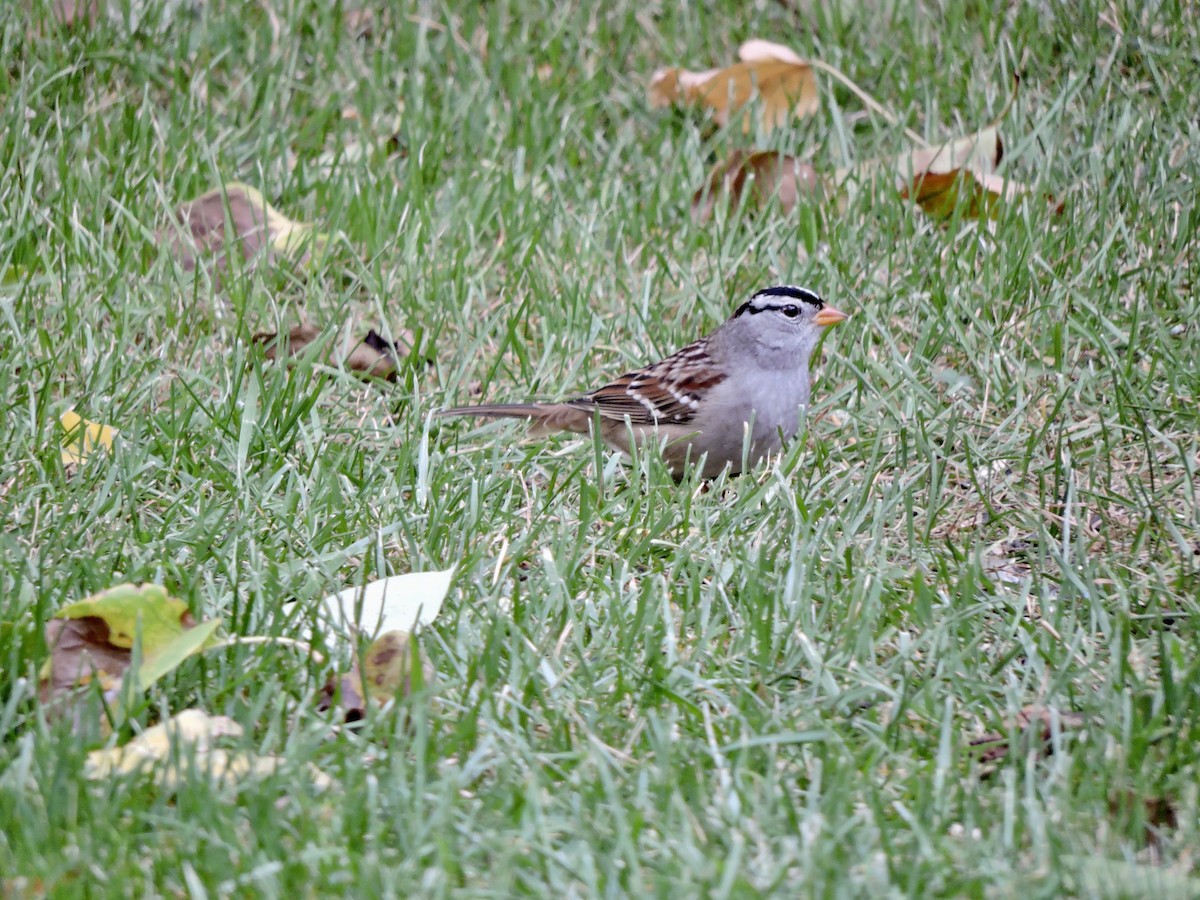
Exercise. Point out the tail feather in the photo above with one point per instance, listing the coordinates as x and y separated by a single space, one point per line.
493 411
547 417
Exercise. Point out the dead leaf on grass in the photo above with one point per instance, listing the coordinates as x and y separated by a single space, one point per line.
232 218
76 12
392 665
95 638
959 176
373 357
768 176
296 340
170 749
783 83
359 23
83 437
1035 724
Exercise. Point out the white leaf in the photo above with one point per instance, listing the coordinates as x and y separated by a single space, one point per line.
399 603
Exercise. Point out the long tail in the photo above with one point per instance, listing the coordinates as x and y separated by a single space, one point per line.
493 411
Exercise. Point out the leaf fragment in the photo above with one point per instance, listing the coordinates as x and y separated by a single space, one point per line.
375 357
783 83
296 340
372 357
83 437
95 637
766 174
397 603
956 177
166 749
390 663
237 218
1036 724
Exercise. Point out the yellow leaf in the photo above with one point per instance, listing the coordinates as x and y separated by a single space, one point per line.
783 82
164 748
83 437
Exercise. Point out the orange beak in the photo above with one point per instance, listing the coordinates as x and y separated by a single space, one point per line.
830 316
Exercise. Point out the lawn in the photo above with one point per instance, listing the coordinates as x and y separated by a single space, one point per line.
773 684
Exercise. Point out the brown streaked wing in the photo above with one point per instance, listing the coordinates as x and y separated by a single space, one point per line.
667 392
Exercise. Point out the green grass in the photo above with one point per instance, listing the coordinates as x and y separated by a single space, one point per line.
766 687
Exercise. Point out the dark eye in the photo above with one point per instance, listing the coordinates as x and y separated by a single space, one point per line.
791 311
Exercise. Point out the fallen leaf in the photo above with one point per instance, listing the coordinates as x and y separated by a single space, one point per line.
398 603
95 638
232 217
390 663
783 82
167 748
1035 723
958 176
345 692
767 174
374 356
359 23
1159 814
83 437
387 668
297 339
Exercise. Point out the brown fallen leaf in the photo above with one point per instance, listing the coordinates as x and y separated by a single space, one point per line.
94 639
956 176
345 692
1159 814
296 340
373 357
769 176
783 82
359 23
389 664
1035 723
233 218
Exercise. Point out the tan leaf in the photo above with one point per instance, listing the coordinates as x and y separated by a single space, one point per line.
345 692
297 339
390 663
373 357
767 174
359 23
72 12
1035 723
236 217
783 83
164 749
958 176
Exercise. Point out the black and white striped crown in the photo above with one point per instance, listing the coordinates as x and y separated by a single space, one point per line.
779 296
